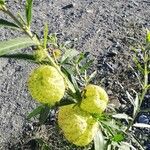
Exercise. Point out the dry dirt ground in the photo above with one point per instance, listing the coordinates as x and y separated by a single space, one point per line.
102 27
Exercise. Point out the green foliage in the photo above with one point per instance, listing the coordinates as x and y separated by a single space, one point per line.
14 44
99 141
42 111
52 39
148 36
45 36
2 2
5 23
29 5
44 114
35 112
115 128
118 137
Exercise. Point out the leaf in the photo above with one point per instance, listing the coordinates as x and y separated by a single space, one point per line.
14 44
5 23
99 141
137 62
148 36
44 114
69 53
42 144
29 5
79 58
145 110
2 2
141 125
74 82
130 98
35 112
118 137
91 76
20 56
52 39
112 124
65 101
67 77
122 116
45 35
28 57
136 141
86 66
136 104
126 146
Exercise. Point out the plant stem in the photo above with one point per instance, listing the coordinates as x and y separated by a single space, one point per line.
144 91
37 43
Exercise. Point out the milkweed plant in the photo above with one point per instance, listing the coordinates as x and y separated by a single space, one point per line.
61 81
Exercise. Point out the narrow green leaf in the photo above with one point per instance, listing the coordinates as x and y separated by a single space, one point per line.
136 104
44 114
126 146
137 62
29 5
141 125
79 58
99 141
136 141
28 57
148 36
68 73
35 112
74 82
122 116
86 66
14 44
20 56
69 53
118 137
91 76
5 23
2 2
65 101
52 39
42 144
145 110
45 35
130 98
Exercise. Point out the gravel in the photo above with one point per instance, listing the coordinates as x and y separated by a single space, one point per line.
104 28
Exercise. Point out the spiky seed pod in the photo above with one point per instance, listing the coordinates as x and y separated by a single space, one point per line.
46 85
57 53
78 126
40 55
94 99
148 36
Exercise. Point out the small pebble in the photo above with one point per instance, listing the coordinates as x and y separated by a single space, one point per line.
148 146
68 6
143 119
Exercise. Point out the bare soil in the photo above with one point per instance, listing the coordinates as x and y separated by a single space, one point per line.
105 28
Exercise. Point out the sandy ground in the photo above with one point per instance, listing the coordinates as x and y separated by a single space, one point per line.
100 27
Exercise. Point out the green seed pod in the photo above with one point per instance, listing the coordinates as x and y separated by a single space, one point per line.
148 36
78 126
94 99
46 85
40 55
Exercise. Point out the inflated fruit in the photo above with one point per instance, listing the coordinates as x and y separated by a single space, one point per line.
94 99
78 126
46 85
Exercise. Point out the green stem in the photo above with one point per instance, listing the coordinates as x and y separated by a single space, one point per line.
144 91
22 26
37 42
